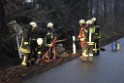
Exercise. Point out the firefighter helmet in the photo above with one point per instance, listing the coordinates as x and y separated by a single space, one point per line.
89 22
33 24
81 21
93 19
39 41
50 25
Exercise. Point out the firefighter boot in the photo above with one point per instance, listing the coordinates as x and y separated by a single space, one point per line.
24 62
90 57
83 58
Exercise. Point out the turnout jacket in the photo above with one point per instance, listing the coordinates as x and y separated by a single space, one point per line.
82 36
24 47
90 35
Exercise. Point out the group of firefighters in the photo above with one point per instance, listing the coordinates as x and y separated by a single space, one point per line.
89 36
31 44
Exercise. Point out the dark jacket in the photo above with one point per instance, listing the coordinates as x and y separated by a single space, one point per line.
24 47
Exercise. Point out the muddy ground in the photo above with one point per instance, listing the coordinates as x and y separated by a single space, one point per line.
17 74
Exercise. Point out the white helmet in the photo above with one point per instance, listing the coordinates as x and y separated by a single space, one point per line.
81 21
89 22
50 25
39 41
93 19
33 24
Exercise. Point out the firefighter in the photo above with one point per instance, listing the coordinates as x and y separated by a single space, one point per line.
97 36
82 37
50 40
90 41
27 45
33 35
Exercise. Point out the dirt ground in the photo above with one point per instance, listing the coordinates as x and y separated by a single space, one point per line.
17 74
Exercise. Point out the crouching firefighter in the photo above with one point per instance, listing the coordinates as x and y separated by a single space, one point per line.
51 37
97 36
82 38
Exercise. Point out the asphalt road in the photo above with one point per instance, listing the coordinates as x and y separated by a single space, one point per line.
106 68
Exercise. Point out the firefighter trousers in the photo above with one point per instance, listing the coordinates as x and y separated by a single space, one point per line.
96 41
87 53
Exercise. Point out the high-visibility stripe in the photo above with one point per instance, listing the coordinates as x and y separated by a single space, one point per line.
86 55
90 54
24 61
90 42
25 43
39 52
48 44
90 35
24 50
85 30
82 39
48 33
95 49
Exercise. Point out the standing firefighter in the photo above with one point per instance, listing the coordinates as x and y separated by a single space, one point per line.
97 36
82 37
25 47
33 35
27 44
51 37
90 41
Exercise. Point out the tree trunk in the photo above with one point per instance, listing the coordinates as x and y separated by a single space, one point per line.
2 13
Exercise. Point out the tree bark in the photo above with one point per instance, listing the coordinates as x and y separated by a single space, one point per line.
2 13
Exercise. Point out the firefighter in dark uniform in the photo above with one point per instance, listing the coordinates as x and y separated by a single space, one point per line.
51 36
25 46
97 36
33 35
28 44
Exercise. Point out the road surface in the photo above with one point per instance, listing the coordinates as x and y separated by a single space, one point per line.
106 68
